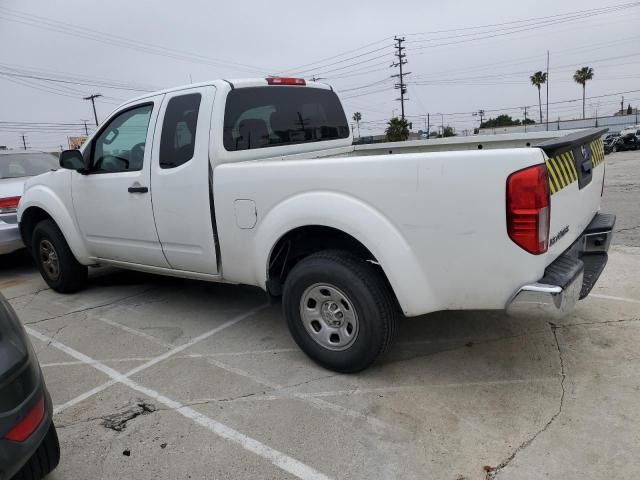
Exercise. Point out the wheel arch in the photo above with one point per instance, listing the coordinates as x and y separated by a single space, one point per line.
338 220
40 205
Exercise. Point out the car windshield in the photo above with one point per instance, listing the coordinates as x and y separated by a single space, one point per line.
15 165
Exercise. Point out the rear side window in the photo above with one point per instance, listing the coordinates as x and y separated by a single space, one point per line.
178 139
261 117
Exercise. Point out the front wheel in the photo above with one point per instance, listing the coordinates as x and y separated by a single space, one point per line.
57 265
340 310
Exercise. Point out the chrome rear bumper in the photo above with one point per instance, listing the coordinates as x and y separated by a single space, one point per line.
570 277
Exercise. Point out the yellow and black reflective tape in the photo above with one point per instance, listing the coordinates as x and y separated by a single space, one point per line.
597 152
562 171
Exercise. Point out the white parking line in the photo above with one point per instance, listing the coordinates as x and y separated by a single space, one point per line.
155 360
379 425
277 458
611 297
108 360
133 331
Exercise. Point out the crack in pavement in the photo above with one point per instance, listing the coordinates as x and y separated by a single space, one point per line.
626 229
492 473
86 309
35 294
604 322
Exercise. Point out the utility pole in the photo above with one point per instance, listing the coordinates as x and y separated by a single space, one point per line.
525 118
428 125
547 82
622 106
93 103
479 113
24 141
401 61
442 122
86 129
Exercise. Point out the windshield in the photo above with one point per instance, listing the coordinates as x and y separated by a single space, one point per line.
26 164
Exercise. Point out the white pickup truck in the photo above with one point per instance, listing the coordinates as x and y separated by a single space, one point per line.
257 182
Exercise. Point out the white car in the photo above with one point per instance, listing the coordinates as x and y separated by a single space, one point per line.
16 167
257 182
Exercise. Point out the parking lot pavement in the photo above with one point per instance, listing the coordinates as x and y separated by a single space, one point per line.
163 378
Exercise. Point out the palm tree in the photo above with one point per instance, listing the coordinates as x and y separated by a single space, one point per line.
537 80
582 76
356 118
397 130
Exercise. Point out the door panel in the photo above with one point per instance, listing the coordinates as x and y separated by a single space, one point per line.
112 208
179 177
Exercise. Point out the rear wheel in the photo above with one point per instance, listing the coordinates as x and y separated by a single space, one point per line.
54 258
44 460
340 310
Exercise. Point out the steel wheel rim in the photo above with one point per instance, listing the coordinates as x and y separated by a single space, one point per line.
49 259
329 316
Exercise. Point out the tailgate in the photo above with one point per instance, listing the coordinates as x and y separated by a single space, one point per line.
576 171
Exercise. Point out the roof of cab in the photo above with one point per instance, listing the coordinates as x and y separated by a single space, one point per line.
233 83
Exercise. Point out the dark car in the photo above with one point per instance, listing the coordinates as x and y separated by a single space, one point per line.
29 448
622 144
609 142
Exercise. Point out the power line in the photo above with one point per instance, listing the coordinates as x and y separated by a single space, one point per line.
481 36
294 69
516 21
93 84
111 39
537 22
309 70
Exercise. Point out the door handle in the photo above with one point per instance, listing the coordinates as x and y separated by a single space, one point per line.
138 190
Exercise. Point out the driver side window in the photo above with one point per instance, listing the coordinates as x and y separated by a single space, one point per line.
120 146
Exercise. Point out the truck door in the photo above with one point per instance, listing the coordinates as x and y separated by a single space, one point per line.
180 178
112 200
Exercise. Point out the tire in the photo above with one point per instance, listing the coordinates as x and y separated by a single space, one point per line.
57 265
44 460
356 305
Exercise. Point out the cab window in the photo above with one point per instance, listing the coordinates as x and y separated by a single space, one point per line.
178 139
120 146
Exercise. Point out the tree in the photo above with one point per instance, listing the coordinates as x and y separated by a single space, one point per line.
629 110
397 130
537 80
582 76
448 132
356 118
500 121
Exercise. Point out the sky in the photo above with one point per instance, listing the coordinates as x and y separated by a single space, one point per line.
463 56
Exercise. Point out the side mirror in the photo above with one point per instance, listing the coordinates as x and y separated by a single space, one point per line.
72 160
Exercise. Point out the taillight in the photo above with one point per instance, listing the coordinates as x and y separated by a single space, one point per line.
286 81
9 204
529 208
28 424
